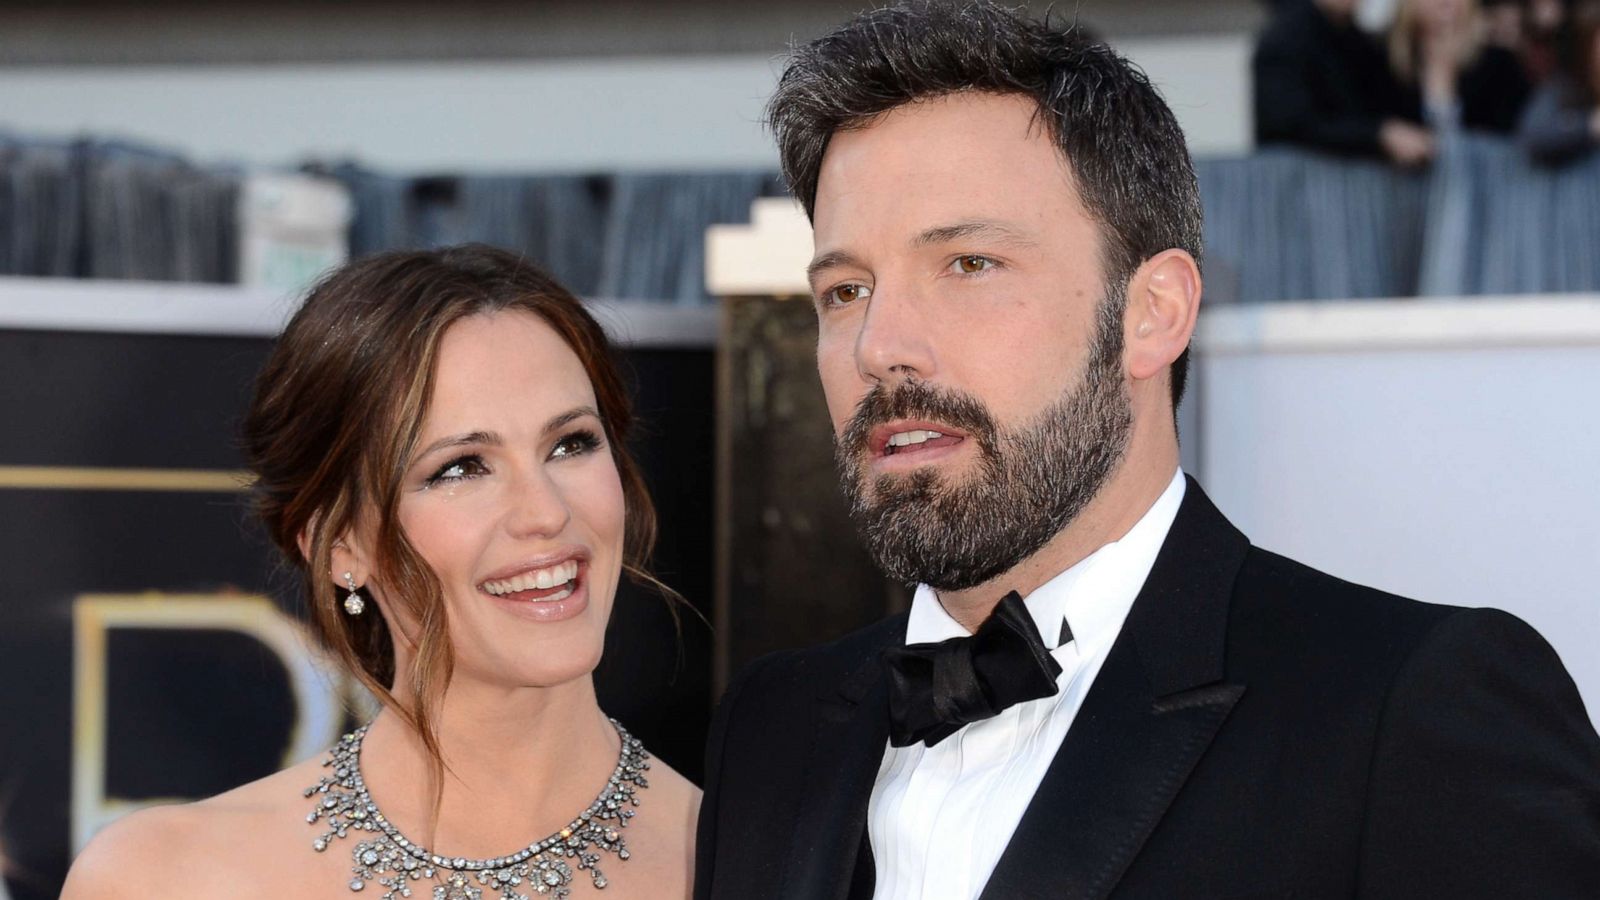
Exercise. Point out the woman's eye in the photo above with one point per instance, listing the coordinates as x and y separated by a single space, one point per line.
458 470
972 264
846 294
575 444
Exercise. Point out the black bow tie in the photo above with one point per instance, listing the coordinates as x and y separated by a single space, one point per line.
935 689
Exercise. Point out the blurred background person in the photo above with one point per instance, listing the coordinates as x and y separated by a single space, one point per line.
1543 31
1453 74
1562 121
1505 25
1321 82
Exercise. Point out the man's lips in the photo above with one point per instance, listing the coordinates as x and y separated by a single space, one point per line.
909 436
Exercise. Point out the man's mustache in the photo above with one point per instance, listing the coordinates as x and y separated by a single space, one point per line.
916 400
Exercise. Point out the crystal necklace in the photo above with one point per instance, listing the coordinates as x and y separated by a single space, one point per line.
544 867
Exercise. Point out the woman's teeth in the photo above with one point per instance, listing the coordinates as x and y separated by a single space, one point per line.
562 594
538 580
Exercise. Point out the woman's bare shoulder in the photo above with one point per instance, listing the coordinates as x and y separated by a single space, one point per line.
661 838
676 793
138 854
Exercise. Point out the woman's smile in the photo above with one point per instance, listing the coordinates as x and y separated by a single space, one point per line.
543 591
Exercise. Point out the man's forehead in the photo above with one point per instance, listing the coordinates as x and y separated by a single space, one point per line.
938 162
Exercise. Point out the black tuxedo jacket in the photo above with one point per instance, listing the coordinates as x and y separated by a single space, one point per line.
1258 730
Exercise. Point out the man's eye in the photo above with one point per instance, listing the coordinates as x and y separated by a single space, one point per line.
972 264
846 294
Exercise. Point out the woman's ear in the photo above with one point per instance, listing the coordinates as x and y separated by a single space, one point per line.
346 556
347 561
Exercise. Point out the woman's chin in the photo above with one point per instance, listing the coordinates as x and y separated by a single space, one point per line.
514 658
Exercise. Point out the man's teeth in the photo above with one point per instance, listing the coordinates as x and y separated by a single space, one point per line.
907 438
541 579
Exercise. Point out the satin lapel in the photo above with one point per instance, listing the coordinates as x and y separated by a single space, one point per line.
1153 710
852 730
1118 770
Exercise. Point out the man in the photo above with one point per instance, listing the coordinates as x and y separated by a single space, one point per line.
1101 688
1321 82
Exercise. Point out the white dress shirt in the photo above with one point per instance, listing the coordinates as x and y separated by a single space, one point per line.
940 816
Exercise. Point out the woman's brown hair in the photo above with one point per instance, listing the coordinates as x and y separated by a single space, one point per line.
1405 39
337 413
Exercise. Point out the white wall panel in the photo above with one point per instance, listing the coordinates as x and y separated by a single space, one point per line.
1442 451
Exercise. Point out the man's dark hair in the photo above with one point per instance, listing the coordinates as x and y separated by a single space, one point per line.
1120 140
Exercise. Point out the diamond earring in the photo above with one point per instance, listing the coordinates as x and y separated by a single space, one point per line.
353 604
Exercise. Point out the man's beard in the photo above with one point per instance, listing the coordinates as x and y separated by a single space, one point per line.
1029 483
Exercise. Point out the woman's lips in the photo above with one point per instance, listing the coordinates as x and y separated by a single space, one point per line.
547 604
545 590
541 581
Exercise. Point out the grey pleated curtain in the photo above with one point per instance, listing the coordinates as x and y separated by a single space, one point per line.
41 199
1287 225
1291 225
104 210
1280 224
558 221
383 217
655 237
636 236
154 217
1497 224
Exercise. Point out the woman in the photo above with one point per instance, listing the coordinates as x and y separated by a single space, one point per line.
1457 79
437 440
1562 122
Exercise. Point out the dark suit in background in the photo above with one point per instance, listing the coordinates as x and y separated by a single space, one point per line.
1323 85
1259 729
1494 90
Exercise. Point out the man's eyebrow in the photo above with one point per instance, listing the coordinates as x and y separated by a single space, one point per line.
830 260
940 234
461 440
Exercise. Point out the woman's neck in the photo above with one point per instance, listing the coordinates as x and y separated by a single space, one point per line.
519 763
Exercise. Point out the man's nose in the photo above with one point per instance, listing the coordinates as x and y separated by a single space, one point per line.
894 342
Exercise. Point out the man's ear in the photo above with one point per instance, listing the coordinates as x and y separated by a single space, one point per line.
1163 303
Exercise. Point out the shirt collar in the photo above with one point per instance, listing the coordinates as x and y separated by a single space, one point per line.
1094 596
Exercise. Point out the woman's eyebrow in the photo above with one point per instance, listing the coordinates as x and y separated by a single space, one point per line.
569 416
489 438
493 439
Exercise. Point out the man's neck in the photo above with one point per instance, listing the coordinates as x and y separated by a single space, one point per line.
1121 503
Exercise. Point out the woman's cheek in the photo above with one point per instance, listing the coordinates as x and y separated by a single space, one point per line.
443 529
